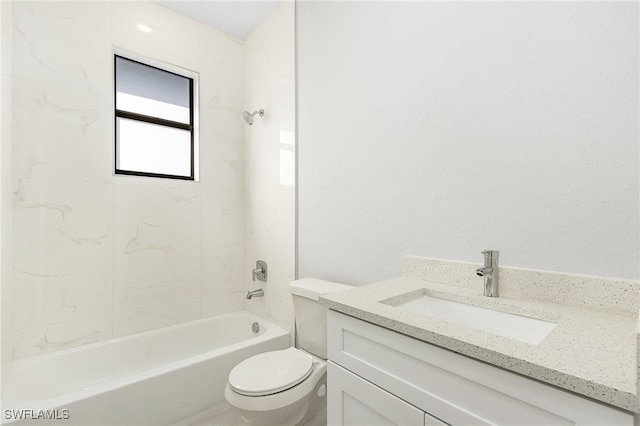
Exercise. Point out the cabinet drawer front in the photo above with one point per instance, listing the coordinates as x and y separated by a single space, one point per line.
353 401
453 387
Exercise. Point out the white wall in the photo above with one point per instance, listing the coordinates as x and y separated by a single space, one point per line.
98 256
269 83
440 129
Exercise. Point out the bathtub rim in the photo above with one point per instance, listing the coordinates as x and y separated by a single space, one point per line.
272 331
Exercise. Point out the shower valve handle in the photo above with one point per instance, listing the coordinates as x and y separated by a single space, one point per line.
260 272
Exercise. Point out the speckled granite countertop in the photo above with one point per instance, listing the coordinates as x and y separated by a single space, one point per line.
591 351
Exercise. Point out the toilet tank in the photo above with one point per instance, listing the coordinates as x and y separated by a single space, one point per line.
311 316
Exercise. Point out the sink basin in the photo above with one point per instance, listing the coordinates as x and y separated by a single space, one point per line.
524 329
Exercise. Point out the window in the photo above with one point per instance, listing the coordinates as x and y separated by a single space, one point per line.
154 121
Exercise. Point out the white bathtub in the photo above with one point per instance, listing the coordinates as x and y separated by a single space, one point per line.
155 378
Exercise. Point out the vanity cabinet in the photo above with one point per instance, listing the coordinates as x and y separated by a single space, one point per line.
380 377
355 401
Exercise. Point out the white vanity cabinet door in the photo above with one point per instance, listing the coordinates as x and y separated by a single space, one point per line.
353 401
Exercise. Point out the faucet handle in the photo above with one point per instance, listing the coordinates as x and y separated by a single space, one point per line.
492 253
260 272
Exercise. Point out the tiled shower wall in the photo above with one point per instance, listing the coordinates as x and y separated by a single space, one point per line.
6 209
269 83
98 256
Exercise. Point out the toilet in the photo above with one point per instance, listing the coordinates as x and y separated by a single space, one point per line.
288 387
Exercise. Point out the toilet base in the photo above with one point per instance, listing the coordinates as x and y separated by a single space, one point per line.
288 416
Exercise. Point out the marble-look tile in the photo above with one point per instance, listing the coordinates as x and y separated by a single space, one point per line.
154 182
65 20
226 64
151 246
269 204
174 38
217 304
277 305
45 252
40 340
59 298
6 319
41 58
164 242
62 111
135 288
155 206
6 208
50 156
223 241
223 275
221 80
221 207
61 204
6 239
221 133
153 317
221 174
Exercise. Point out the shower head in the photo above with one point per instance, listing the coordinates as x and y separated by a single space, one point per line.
249 117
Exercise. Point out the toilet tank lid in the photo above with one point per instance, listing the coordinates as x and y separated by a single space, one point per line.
313 288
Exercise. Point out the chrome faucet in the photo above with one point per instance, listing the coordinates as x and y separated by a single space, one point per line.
490 272
255 293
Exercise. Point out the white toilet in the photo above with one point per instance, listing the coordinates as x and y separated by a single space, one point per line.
288 387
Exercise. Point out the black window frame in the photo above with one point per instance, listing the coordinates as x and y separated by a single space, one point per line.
153 120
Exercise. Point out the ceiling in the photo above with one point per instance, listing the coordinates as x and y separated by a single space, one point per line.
234 17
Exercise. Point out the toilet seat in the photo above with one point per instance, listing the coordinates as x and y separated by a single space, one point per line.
270 372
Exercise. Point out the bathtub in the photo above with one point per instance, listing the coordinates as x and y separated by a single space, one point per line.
160 377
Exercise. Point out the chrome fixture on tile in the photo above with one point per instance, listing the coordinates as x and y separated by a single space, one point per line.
248 117
255 293
260 273
490 272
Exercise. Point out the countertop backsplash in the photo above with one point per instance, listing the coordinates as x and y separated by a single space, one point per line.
619 295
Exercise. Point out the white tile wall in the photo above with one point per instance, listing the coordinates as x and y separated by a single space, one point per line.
50 157
63 21
152 317
6 199
38 340
222 303
98 256
44 300
174 39
60 110
135 288
269 82
47 252
68 204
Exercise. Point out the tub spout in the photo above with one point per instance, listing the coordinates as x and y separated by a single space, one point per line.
255 293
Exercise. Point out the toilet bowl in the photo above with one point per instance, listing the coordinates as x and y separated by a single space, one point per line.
278 387
288 387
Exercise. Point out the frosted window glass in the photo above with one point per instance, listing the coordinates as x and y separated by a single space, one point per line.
143 89
151 148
